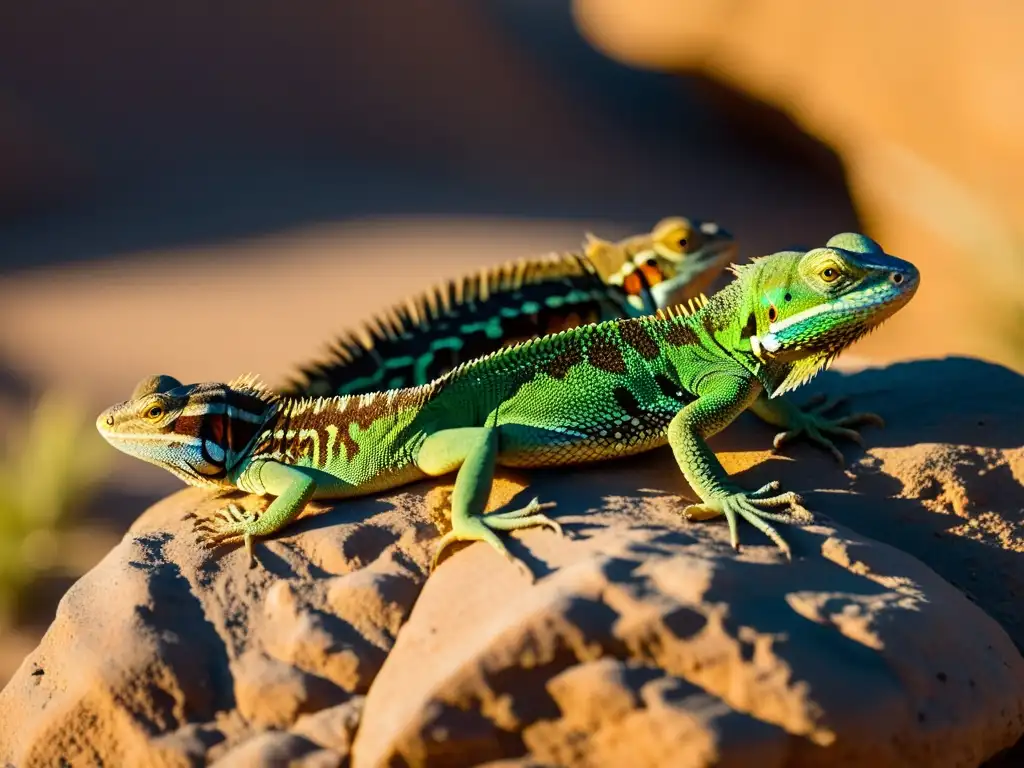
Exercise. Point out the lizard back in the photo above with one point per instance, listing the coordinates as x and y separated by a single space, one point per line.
420 340
590 393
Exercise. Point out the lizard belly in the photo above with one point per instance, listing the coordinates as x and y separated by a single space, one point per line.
521 445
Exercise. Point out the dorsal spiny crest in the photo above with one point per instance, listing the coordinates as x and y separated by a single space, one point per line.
434 304
251 384
676 311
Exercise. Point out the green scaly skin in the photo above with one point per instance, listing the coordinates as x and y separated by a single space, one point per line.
587 394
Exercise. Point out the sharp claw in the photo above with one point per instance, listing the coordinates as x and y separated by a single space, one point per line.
782 438
249 550
756 511
860 419
852 435
734 534
442 545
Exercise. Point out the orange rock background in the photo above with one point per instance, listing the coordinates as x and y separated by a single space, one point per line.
921 102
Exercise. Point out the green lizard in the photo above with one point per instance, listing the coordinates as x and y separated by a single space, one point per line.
429 335
586 394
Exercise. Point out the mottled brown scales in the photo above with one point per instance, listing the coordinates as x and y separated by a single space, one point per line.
301 426
605 356
681 335
639 338
708 321
361 413
565 360
308 440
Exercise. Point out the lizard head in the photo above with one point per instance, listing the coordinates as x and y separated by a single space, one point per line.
808 307
689 255
197 432
681 256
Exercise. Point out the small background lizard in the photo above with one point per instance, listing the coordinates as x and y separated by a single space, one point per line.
586 394
434 332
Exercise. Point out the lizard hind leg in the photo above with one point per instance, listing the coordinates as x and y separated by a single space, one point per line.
474 451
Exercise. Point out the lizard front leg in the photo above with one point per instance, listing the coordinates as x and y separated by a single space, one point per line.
813 421
722 398
292 488
474 451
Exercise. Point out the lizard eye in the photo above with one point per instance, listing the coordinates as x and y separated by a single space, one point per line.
682 243
154 412
829 274
651 262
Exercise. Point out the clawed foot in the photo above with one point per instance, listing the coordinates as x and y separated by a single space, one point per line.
228 524
812 420
483 527
754 507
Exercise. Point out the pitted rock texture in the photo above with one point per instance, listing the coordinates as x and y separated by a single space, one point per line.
644 641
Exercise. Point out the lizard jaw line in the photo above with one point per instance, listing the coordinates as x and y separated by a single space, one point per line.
781 325
159 437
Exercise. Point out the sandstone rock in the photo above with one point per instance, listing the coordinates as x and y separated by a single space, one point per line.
651 646
644 641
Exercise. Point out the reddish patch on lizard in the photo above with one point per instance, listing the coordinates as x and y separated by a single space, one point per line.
632 284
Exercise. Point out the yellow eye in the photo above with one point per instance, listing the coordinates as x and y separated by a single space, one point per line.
154 412
829 274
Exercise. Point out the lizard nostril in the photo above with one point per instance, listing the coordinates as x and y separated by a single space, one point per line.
110 421
897 278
